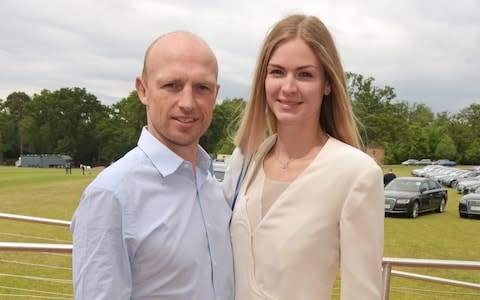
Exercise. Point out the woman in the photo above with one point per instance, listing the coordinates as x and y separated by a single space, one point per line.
308 201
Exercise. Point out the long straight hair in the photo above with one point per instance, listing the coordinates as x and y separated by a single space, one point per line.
336 116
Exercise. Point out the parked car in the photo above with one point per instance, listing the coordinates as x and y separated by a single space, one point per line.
413 195
445 162
420 172
470 204
410 162
442 173
454 179
468 186
425 161
219 168
448 179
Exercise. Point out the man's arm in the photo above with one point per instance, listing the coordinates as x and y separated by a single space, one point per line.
101 266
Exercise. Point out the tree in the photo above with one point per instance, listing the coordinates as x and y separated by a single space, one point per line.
464 129
417 144
118 133
13 107
472 154
372 106
63 121
421 115
446 148
2 126
219 136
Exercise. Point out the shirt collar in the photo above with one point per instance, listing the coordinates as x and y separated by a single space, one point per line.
164 159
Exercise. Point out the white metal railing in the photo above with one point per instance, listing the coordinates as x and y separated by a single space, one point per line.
36 247
388 262
34 219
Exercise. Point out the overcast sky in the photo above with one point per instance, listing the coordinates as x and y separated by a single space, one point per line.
428 51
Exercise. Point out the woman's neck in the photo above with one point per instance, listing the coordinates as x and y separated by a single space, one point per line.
295 143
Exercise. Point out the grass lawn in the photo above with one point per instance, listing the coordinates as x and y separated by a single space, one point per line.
433 236
50 193
47 193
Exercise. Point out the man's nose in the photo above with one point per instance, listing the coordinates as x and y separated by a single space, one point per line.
186 98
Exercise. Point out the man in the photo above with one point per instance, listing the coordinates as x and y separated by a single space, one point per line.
389 176
154 225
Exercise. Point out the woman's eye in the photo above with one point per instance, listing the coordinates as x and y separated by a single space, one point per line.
275 72
305 75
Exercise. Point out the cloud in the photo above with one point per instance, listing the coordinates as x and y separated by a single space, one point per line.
426 50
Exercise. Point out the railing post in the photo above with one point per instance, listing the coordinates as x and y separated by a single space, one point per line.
387 271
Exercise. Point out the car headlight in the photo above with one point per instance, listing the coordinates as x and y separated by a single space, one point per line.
463 201
403 201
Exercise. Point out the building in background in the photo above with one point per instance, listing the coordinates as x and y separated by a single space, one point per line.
43 160
377 153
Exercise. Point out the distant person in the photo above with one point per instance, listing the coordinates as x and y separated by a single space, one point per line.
389 176
68 168
310 205
155 224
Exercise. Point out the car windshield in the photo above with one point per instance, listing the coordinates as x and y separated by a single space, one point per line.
403 186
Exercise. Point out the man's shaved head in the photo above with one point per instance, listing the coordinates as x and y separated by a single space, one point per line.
177 39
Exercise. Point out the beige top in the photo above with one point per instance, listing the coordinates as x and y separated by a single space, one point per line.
259 204
332 211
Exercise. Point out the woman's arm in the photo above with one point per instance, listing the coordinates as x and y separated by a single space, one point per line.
361 236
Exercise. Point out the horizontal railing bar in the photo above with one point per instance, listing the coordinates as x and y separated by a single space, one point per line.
436 279
435 263
35 247
34 219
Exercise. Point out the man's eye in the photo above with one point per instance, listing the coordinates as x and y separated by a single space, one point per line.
170 85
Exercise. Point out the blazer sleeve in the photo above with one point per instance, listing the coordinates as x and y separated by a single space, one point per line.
362 235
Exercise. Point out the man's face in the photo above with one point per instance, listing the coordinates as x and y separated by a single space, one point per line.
179 90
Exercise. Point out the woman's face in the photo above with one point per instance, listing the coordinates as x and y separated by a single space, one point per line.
295 84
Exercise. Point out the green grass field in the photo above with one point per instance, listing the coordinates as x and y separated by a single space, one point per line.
49 193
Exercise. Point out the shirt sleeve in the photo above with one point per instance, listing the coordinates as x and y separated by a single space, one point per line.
234 168
361 237
100 261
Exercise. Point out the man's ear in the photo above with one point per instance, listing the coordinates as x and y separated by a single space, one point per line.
141 90
216 93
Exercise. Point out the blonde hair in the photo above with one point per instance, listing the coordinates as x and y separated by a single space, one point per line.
336 115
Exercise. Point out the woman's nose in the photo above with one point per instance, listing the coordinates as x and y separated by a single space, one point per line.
289 84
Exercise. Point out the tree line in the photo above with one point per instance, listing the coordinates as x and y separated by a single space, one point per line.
73 121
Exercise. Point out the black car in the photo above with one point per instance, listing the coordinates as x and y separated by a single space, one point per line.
470 204
413 195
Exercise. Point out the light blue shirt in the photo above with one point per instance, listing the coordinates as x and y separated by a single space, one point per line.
148 228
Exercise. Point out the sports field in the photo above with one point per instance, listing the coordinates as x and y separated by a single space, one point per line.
50 193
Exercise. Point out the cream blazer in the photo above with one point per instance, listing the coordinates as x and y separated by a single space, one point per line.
329 218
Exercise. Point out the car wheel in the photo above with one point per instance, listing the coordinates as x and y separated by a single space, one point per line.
454 184
441 208
414 211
